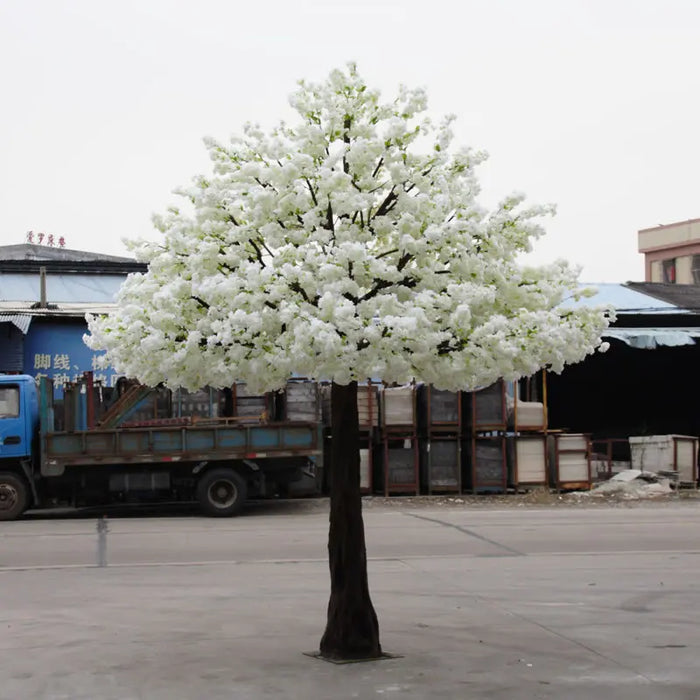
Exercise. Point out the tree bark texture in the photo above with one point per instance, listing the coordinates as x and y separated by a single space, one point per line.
352 629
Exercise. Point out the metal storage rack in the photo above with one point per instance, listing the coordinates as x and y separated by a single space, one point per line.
488 408
440 425
442 464
399 439
400 464
487 470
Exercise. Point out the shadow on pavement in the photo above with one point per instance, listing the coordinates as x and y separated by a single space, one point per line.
254 508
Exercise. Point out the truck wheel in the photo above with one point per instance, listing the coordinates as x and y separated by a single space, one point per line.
14 496
221 492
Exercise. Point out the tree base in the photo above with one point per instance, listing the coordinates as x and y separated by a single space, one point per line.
331 660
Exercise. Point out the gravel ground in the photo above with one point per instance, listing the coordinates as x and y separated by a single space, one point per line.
531 499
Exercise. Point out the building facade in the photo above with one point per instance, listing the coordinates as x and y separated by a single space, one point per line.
671 252
45 294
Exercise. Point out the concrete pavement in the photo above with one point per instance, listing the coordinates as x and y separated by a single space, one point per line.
513 604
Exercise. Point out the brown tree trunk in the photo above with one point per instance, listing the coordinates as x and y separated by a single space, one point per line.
352 630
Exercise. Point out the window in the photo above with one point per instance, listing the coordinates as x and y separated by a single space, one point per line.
669 269
9 401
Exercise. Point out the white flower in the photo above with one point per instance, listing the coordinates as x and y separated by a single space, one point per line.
340 248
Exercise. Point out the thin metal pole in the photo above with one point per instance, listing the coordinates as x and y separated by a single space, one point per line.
102 530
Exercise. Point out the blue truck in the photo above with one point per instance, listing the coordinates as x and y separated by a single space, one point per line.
217 462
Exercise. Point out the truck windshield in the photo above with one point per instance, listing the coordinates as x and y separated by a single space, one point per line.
9 401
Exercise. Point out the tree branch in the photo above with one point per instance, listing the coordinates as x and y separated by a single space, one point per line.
201 302
389 199
451 345
264 184
258 252
388 252
311 190
329 218
380 285
403 261
296 287
347 123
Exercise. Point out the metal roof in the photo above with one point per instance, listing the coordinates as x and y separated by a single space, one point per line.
624 300
70 288
64 310
31 251
21 321
685 296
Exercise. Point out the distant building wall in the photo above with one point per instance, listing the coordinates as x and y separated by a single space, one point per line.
672 252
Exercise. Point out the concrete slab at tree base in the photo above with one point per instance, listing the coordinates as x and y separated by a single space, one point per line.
318 655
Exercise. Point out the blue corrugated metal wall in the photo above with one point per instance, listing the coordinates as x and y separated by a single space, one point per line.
11 348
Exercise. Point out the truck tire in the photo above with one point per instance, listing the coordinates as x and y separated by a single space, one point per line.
221 492
14 496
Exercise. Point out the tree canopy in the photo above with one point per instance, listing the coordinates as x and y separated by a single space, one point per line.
346 245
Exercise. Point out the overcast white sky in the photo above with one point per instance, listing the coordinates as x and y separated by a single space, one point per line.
593 105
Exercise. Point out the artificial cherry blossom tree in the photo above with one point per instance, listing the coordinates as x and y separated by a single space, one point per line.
346 245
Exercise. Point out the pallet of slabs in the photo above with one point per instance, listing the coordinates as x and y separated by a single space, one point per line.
301 401
528 460
487 467
528 404
398 409
441 464
570 461
529 416
399 466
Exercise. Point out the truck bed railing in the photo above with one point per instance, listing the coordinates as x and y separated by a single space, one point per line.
178 443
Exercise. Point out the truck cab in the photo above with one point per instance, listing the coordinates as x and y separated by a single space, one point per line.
19 423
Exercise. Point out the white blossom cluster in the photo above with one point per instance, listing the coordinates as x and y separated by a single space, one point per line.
345 246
